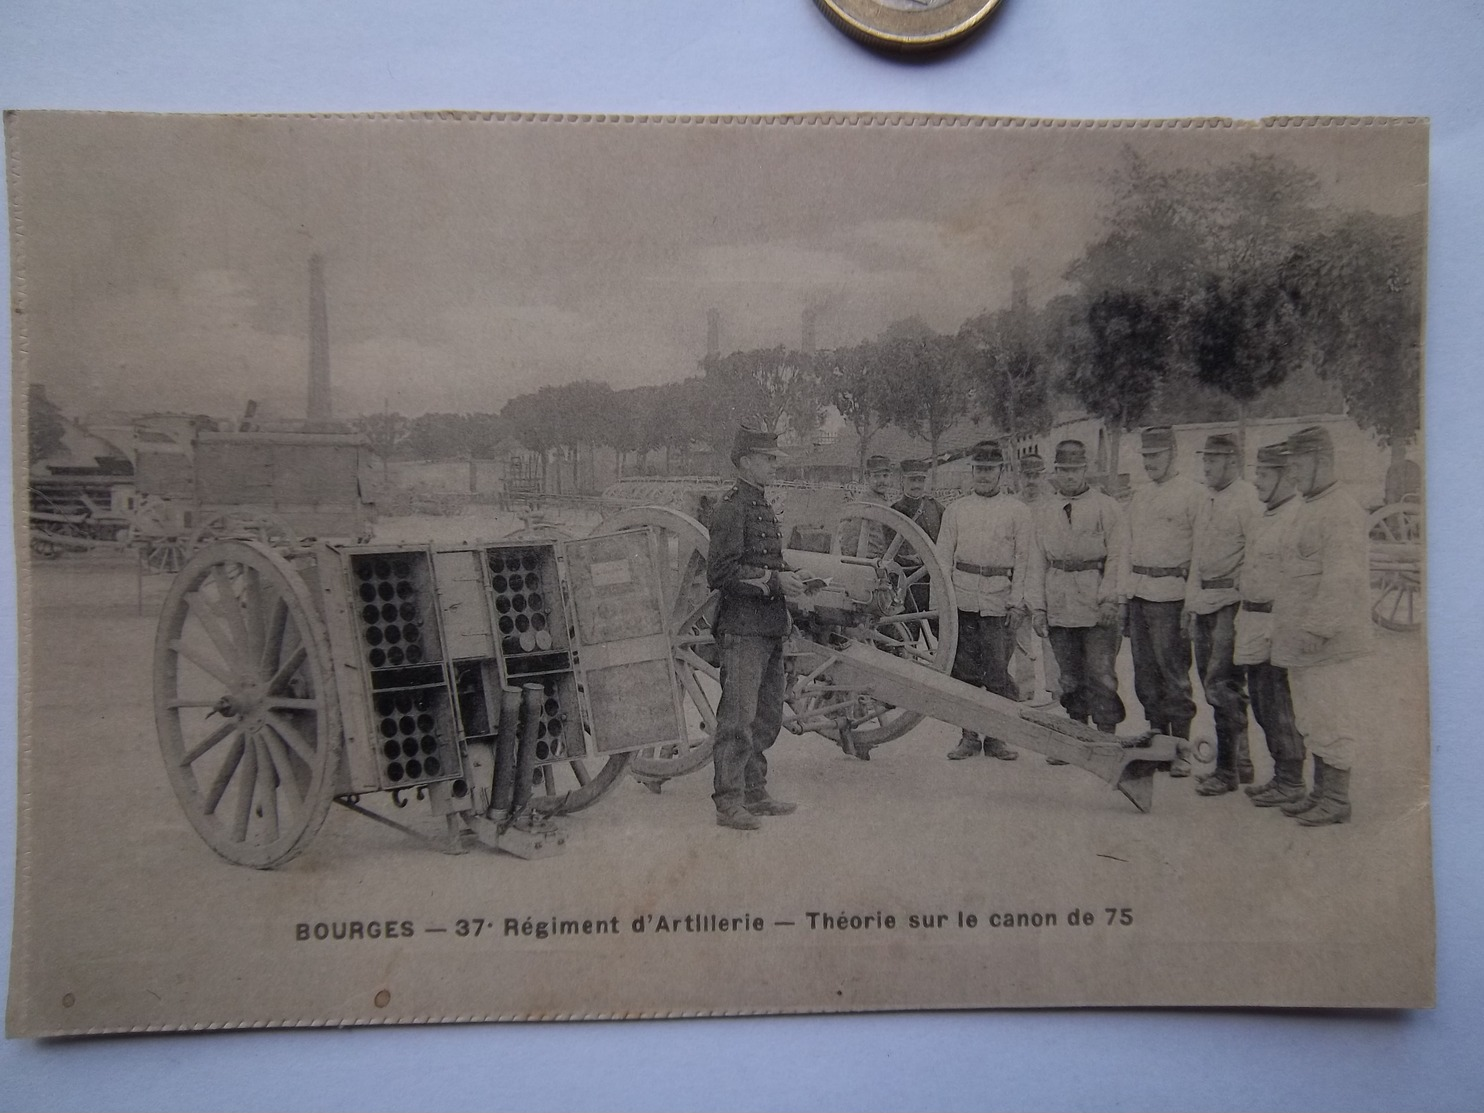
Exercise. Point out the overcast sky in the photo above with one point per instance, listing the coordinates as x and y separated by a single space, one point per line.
163 261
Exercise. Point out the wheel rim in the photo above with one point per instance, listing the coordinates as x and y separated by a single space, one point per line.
689 605
908 630
249 525
248 722
1396 566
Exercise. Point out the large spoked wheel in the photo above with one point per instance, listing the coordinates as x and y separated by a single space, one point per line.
154 529
1396 566
569 786
917 621
689 606
241 525
248 720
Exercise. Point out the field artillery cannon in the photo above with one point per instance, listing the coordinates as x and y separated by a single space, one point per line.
1396 542
504 683
869 654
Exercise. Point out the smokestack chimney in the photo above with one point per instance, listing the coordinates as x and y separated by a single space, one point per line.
713 332
319 343
806 339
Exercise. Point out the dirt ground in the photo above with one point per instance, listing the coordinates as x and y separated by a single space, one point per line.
134 920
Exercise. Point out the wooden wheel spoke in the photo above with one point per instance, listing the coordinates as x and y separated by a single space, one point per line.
267 788
216 671
224 775
878 636
242 815
287 669
910 616
231 604
897 542
915 578
579 770
291 703
276 632
291 735
205 617
698 697
255 620
210 742
690 661
287 770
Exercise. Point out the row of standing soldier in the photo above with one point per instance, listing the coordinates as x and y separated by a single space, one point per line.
1264 586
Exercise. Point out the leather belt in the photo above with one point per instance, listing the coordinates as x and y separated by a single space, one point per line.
1155 571
1077 565
1224 584
984 569
1257 608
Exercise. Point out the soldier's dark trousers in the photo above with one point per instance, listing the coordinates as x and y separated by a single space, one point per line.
1086 657
1226 692
1161 664
985 643
1272 707
748 718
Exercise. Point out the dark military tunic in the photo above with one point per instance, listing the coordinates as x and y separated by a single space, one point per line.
926 511
745 558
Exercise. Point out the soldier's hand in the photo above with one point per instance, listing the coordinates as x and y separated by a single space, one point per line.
1123 622
791 584
1108 614
1039 624
1187 623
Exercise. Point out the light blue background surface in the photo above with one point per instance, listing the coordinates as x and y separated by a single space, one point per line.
1069 58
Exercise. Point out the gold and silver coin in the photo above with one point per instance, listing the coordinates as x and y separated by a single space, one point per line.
908 24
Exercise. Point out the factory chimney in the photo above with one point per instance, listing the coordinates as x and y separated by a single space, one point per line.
713 333
319 343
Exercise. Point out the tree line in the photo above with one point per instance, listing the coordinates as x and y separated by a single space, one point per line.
1214 294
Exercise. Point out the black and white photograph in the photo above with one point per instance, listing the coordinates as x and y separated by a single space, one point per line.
498 567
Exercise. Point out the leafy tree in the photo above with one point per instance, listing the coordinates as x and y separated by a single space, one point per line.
931 391
861 388
45 426
385 432
777 386
1005 361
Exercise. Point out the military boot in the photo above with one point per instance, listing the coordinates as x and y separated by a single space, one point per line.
1335 806
968 746
1316 794
766 805
737 818
1246 774
993 747
1180 767
1286 787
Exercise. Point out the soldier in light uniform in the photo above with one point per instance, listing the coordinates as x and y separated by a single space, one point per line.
1161 528
1036 685
1322 624
1267 684
1074 586
1228 518
926 512
745 564
986 543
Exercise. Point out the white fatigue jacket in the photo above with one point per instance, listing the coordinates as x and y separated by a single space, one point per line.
1078 557
1262 572
986 544
1226 521
1325 587
1161 528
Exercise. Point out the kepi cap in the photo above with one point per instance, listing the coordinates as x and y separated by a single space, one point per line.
878 463
1273 455
1314 439
1071 454
1032 464
915 467
988 454
1221 444
1157 438
755 442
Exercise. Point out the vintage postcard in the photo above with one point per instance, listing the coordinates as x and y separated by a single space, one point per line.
484 566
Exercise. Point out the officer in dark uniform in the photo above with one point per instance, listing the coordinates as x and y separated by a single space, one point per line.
745 565
927 512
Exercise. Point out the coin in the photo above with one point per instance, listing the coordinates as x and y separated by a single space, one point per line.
908 24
